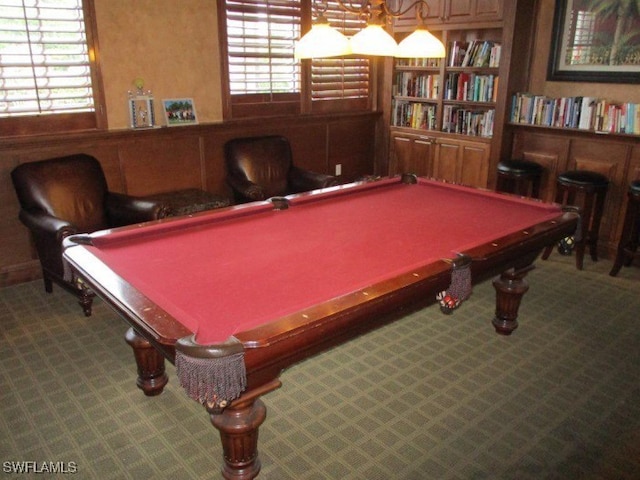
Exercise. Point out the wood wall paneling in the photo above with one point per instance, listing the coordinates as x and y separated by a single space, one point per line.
154 165
539 147
351 144
615 156
549 164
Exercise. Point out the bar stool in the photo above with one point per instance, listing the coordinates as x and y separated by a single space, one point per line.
520 177
591 188
628 246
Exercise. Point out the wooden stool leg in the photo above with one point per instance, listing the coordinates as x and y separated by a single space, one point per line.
629 239
595 228
585 234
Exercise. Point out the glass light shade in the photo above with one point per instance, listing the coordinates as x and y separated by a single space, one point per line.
421 44
373 40
322 41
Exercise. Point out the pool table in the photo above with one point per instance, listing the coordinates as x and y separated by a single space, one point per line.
235 296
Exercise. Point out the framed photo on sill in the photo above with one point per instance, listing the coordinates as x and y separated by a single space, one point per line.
141 114
595 41
179 111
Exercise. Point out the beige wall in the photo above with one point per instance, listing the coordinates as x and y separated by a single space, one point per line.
538 83
171 44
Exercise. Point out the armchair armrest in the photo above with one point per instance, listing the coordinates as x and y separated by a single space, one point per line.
246 188
43 225
126 209
47 233
302 180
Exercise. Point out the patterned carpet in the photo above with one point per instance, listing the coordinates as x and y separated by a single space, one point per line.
427 397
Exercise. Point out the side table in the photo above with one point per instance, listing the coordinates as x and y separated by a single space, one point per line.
190 200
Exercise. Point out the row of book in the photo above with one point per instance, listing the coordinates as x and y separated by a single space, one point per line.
418 62
411 84
414 115
477 53
470 87
478 123
585 113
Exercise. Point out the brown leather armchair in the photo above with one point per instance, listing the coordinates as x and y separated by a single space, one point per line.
261 167
68 195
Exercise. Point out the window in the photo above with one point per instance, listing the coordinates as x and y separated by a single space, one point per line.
583 37
340 83
47 76
261 35
264 78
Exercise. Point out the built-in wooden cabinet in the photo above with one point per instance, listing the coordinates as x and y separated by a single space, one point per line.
470 11
461 161
450 113
449 159
558 150
457 11
411 153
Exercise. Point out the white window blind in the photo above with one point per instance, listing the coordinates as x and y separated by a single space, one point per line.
44 58
340 78
261 36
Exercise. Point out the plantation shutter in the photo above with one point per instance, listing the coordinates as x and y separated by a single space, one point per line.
44 58
261 36
340 83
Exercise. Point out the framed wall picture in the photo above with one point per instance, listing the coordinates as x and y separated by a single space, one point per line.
141 114
179 111
595 41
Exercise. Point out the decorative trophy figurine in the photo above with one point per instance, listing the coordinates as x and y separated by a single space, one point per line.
141 114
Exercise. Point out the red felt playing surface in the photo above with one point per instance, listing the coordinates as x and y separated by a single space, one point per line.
227 272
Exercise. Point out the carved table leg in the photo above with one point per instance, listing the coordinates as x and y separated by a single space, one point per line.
238 425
151 375
510 287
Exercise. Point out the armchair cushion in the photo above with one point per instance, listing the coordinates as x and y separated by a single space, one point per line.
261 167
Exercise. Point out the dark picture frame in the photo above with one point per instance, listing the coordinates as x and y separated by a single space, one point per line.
591 42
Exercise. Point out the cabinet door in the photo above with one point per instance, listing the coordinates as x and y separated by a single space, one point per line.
446 160
462 162
435 14
412 154
474 164
473 10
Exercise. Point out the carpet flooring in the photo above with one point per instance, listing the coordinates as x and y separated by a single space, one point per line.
427 397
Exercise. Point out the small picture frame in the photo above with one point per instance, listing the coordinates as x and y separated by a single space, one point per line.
179 112
141 113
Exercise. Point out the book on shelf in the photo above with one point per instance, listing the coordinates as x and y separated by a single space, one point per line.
580 112
494 57
414 84
478 123
457 51
471 87
418 62
414 115
478 53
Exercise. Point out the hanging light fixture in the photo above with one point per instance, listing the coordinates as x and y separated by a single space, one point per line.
421 44
321 41
374 39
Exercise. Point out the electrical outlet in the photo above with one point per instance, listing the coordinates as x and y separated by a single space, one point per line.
338 169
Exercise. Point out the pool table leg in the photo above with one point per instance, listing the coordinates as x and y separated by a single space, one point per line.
238 425
510 288
151 375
